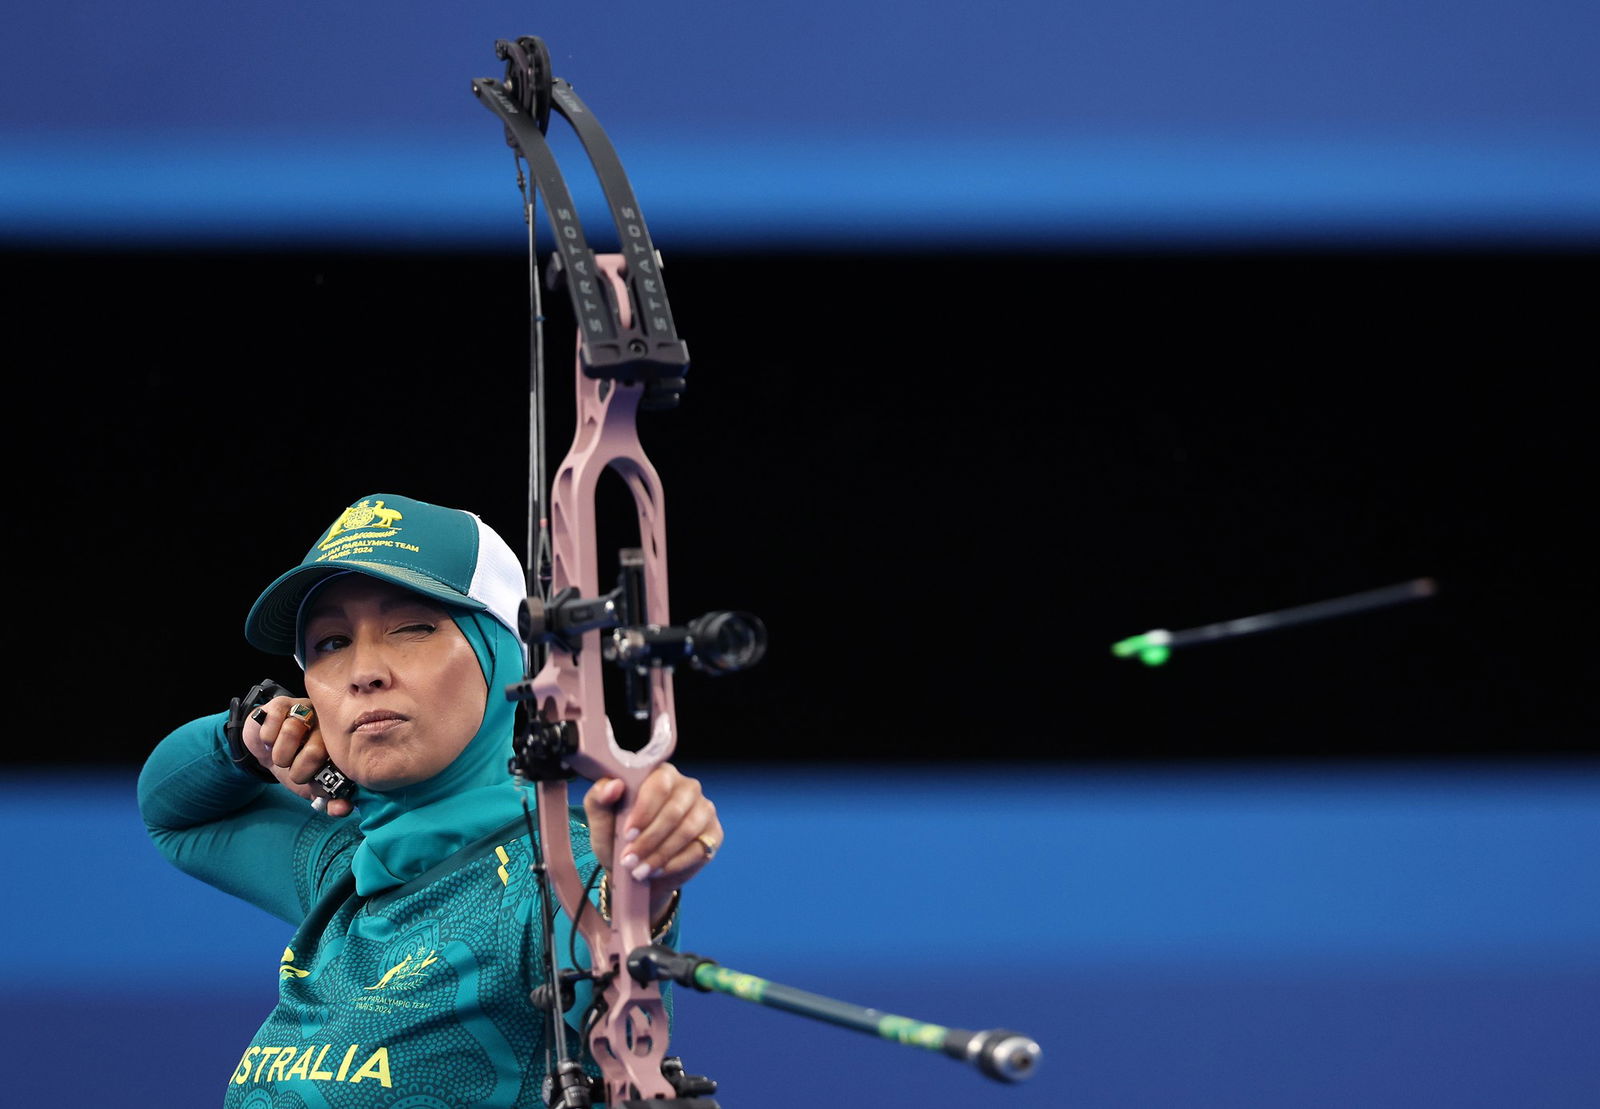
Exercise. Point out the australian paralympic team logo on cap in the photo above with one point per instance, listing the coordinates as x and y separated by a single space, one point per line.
361 530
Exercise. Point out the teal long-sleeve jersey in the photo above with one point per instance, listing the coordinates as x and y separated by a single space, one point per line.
416 996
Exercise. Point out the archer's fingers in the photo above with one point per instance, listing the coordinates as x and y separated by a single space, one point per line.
678 818
284 725
664 797
336 807
310 759
261 732
299 727
690 859
684 851
599 806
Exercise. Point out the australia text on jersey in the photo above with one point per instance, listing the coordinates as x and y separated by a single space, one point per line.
282 1064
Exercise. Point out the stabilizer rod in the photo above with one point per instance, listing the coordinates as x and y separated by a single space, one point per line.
1000 1053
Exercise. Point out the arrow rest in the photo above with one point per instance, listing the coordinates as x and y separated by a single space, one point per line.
539 750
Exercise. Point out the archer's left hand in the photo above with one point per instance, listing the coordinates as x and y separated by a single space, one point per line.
670 833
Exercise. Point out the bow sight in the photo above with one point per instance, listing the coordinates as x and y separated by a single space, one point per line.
720 642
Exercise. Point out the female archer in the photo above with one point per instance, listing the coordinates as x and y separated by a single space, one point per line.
418 925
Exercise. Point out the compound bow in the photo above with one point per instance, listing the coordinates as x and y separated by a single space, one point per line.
629 359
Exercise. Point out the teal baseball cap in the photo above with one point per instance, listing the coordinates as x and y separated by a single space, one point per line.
448 554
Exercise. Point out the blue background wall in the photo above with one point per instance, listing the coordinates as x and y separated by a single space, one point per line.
839 123
1384 937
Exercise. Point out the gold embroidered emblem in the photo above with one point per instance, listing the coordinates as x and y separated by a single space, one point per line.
409 967
363 515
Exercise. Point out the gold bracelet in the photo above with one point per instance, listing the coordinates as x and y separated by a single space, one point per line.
605 906
666 921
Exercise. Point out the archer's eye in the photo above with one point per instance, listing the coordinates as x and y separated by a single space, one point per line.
329 643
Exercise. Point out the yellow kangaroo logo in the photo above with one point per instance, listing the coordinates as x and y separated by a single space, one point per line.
386 516
363 515
404 969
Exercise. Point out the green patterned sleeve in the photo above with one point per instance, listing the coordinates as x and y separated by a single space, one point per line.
258 842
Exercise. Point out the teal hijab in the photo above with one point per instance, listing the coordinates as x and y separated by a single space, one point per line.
405 831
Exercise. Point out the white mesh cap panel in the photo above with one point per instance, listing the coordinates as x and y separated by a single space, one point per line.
497 581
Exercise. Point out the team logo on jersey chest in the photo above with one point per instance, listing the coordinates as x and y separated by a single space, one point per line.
409 962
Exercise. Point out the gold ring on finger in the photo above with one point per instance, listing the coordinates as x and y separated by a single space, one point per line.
708 843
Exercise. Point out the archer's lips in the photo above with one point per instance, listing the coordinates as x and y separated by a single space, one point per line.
375 723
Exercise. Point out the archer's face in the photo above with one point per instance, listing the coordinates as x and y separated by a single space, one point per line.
397 687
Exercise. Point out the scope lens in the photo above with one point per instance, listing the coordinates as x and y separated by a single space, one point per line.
728 641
